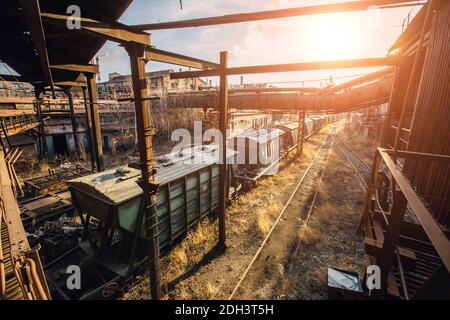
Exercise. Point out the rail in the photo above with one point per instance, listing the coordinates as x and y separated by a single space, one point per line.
361 168
294 192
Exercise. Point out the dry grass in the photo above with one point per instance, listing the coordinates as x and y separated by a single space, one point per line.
211 290
334 158
249 218
264 222
309 235
82 154
44 166
323 191
281 270
199 241
357 141
265 217
178 256
308 152
202 233
326 209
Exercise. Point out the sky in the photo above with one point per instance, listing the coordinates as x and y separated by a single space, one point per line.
321 37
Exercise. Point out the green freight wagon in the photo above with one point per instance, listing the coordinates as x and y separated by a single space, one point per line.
189 182
109 204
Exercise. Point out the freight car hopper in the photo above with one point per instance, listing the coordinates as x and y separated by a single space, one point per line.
111 247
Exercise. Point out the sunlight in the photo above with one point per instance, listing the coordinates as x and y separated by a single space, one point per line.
333 37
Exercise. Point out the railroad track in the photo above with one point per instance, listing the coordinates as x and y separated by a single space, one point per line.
315 165
360 167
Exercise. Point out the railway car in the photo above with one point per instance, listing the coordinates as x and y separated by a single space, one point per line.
290 135
258 153
107 240
273 144
318 122
112 249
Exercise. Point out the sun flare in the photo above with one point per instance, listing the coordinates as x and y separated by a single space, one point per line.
333 37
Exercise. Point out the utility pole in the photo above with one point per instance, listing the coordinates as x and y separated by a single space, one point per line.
223 123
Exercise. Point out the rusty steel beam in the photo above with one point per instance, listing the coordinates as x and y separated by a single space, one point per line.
178 59
92 68
73 120
374 76
276 14
88 128
70 84
301 131
97 146
432 229
113 31
370 94
289 67
419 156
254 90
276 89
38 106
149 183
32 14
223 125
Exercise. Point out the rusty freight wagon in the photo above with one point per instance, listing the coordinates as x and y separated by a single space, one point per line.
112 249
258 154
290 136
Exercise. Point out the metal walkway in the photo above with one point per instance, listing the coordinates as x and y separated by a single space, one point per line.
21 273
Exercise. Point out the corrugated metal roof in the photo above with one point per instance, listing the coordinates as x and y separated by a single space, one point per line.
262 135
64 46
288 125
118 185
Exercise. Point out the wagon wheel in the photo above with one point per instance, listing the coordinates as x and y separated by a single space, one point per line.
110 289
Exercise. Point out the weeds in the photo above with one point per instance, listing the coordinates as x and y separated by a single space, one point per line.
309 235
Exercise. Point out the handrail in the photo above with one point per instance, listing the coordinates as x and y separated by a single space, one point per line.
430 226
25 262
2 264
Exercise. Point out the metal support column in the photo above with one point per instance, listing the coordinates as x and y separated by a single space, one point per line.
89 130
223 123
73 119
301 132
148 183
95 121
44 150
